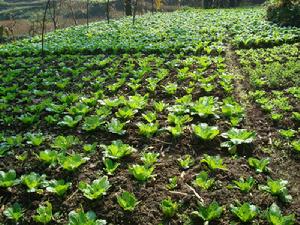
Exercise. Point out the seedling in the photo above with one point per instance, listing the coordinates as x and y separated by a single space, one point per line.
168 207
245 212
59 187
14 212
205 132
8 179
127 201
213 162
242 184
209 213
44 213
275 217
186 162
110 165
96 189
149 158
141 172
277 188
202 180
79 217
260 165
117 150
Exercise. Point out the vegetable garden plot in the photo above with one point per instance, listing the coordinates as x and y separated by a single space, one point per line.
136 137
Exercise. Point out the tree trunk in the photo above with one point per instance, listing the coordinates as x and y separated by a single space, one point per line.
43 27
72 12
87 13
134 10
107 10
128 9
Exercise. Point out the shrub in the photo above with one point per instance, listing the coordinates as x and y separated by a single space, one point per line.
284 12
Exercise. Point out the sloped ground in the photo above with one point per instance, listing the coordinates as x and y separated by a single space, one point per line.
150 85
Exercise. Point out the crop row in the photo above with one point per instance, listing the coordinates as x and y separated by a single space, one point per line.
181 31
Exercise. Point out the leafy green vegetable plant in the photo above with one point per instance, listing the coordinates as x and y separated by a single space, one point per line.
96 189
44 213
117 150
148 129
71 162
275 217
260 165
127 201
116 127
91 123
126 113
208 213
35 139
69 121
149 158
59 187
64 143
244 212
202 180
237 137
288 134
8 179
14 212
205 132
168 207
172 183
186 162
296 145
110 165
150 117
214 162
141 172
243 185
34 181
79 217
277 188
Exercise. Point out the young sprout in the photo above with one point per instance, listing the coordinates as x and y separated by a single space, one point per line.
127 201
168 207
14 212
186 162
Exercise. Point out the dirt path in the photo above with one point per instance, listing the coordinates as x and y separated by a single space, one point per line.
283 163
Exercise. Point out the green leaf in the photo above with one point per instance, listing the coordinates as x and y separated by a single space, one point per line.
277 188
58 187
202 180
168 207
44 213
213 162
208 213
127 201
91 123
245 212
15 212
96 189
71 162
141 172
110 165
116 127
275 217
259 165
117 150
206 132
8 179
79 217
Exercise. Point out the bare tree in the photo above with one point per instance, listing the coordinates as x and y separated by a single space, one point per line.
134 6
70 6
128 7
43 27
54 11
